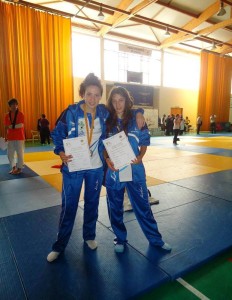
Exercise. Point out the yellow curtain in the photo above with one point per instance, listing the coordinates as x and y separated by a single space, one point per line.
215 88
35 63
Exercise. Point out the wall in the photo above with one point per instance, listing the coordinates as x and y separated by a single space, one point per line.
168 97
187 99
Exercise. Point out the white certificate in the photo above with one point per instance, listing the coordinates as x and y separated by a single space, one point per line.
119 150
3 143
79 149
125 174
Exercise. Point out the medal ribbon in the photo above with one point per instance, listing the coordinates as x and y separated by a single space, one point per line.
89 134
15 117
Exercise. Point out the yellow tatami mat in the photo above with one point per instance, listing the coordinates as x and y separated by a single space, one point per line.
162 164
44 167
187 166
157 152
220 142
40 156
55 180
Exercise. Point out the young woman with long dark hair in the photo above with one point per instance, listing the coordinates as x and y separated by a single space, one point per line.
121 118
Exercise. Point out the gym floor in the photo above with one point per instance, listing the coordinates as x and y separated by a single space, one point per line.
192 182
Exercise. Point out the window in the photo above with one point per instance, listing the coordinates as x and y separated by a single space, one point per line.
134 76
119 62
181 71
86 55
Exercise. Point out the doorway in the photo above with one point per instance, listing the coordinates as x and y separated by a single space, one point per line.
176 110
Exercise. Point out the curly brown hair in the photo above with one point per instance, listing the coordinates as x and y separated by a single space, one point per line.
112 120
90 79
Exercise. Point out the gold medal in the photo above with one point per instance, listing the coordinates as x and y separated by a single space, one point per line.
89 133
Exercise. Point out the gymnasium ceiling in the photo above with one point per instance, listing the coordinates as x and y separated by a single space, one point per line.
193 24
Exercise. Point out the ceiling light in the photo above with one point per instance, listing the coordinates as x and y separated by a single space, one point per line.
213 46
167 33
100 15
222 10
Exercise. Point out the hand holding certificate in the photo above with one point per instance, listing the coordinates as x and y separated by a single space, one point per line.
119 150
79 149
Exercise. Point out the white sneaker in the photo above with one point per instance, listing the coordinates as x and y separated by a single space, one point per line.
92 244
153 200
166 247
52 256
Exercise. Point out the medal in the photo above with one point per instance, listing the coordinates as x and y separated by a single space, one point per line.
89 134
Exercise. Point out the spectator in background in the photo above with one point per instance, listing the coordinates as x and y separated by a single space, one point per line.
212 119
176 129
199 123
14 134
43 125
159 123
163 123
172 124
169 125
187 124
181 125
38 124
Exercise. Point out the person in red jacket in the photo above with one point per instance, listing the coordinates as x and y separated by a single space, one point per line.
14 126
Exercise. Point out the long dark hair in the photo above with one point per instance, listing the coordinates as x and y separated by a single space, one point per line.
127 115
90 79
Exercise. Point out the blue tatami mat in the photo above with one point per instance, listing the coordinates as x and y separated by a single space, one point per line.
171 196
163 192
39 148
197 231
25 201
4 173
25 184
26 194
10 283
217 184
3 159
79 273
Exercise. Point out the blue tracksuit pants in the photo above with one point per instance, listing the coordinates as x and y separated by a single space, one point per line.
72 184
138 195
